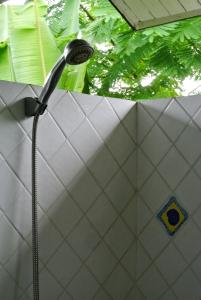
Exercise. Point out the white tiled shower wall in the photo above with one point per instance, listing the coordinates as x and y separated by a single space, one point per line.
105 168
86 179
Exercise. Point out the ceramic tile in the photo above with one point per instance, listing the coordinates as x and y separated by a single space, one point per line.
173 168
83 239
154 238
87 284
119 238
171 264
118 284
190 104
188 241
155 107
8 288
189 143
119 190
64 213
144 123
190 200
101 262
156 145
187 287
102 214
88 103
173 120
64 264
152 284
67 114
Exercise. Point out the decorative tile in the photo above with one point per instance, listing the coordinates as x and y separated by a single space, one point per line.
119 238
83 239
102 214
171 264
172 216
118 284
187 287
87 284
101 262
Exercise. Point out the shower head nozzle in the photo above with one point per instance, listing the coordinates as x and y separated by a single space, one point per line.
77 52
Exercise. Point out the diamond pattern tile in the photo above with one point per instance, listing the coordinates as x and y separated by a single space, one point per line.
187 287
64 213
173 120
154 238
170 260
83 239
154 192
87 284
101 262
173 168
118 284
151 284
64 264
189 143
189 197
119 238
102 214
98 195
156 145
188 241
119 190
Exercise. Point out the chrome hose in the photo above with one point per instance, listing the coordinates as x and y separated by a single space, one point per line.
35 246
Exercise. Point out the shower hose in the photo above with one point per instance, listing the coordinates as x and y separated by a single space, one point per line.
35 251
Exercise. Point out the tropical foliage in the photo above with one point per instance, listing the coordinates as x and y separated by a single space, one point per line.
34 36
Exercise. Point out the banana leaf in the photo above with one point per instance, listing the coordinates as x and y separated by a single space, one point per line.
28 49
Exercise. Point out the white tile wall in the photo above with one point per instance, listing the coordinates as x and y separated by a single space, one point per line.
84 182
105 169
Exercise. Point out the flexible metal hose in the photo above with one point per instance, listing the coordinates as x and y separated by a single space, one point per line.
35 248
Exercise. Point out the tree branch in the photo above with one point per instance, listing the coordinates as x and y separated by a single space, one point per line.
86 12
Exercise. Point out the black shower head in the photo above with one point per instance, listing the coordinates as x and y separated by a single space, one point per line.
77 52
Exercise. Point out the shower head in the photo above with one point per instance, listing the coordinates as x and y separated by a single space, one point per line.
76 52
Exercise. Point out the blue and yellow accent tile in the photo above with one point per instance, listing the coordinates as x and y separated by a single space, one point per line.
172 216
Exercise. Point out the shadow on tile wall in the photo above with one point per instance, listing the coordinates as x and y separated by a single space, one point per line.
86 155
105 169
